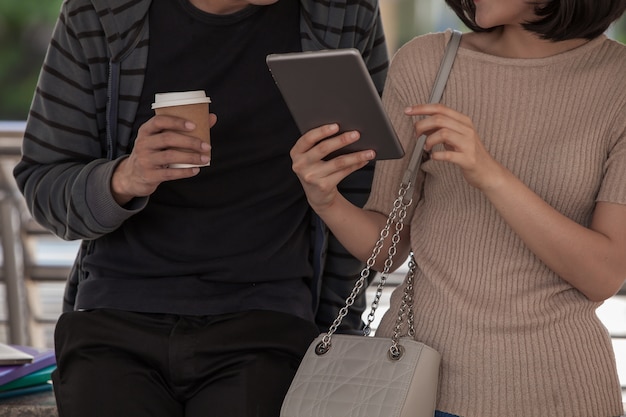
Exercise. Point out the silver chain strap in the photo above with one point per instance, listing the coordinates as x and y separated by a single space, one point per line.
396 218
396 351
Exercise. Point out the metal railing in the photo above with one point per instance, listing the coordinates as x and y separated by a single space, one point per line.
30 254
12 257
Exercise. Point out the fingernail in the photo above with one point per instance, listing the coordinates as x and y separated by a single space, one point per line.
205 159
354 135
190 125
408 110
206 146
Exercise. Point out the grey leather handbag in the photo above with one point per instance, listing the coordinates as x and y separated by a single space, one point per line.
362 376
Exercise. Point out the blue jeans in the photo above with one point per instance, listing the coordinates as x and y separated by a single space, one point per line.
442 414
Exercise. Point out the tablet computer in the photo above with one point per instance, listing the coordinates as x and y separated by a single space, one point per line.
334 86
10 355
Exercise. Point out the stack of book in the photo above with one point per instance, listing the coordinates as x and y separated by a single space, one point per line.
25 370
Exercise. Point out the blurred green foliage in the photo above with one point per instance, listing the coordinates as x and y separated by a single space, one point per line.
26 26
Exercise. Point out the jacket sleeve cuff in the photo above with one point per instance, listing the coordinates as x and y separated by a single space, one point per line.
105 210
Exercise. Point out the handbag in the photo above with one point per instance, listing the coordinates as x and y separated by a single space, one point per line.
362 376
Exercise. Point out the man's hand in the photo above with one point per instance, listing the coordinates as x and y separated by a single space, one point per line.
161 141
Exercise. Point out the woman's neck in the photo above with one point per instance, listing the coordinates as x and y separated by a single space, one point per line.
516 42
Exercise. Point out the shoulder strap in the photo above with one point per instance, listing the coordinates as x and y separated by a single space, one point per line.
435 96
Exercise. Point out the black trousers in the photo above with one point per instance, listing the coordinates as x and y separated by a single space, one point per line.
122 364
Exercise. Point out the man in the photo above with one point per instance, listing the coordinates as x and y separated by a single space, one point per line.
196 290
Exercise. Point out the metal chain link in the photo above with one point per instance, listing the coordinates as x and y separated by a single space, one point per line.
405 308
397 217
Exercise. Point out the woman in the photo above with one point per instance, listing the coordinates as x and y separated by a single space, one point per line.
518 221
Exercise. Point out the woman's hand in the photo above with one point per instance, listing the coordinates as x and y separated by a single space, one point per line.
356 229
461 144
319 177
161 141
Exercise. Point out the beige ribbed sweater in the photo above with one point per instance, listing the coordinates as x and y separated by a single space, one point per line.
515 339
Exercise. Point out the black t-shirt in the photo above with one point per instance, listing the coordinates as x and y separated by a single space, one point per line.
236 236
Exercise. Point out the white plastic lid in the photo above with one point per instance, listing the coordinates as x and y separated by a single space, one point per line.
179 98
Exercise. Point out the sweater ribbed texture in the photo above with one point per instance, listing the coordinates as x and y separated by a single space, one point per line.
515 339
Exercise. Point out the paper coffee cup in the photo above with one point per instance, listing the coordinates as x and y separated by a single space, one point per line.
190 105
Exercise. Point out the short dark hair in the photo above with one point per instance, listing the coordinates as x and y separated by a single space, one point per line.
557 20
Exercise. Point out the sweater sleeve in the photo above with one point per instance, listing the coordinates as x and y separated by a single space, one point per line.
388 174
612 189
63 161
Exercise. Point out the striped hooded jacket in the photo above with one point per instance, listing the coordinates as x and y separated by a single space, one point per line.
80 122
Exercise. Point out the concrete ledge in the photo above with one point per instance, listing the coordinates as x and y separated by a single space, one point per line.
32 405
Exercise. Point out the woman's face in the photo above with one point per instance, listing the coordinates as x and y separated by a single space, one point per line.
491 13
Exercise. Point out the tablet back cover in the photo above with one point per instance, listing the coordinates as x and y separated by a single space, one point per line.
334 86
